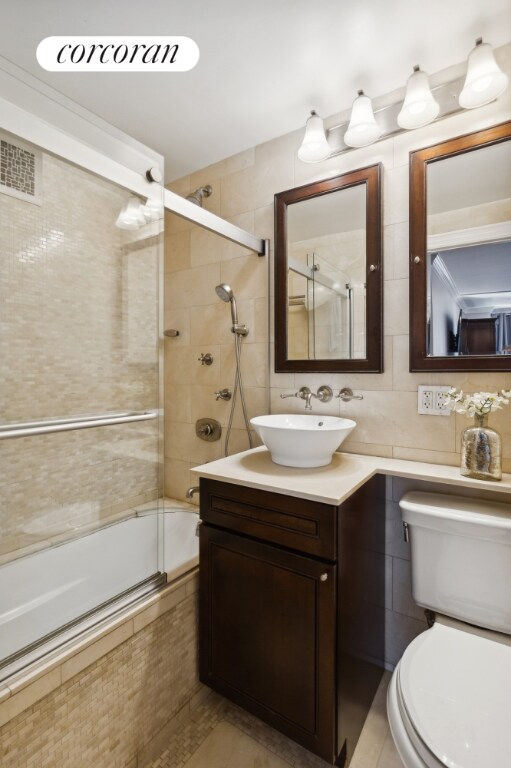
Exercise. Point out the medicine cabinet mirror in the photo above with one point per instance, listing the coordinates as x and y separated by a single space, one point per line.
460 253
328 275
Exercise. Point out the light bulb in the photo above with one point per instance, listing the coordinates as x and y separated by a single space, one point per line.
363 128
315 146
419 107
131 215
485 81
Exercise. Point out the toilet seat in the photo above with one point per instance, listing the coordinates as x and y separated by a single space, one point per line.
454 696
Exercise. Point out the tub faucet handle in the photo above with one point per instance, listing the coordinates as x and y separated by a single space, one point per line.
223 394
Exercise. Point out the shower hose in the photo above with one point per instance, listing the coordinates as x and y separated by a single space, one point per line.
238 387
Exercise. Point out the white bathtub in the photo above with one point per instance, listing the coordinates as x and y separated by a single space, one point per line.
43 592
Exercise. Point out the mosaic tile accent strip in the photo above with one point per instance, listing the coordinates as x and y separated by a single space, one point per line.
20 169
17 168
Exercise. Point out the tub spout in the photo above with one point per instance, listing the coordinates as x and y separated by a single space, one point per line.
190 491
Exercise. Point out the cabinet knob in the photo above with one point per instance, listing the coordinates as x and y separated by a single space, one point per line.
323 577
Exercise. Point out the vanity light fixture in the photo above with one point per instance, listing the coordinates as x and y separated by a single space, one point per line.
483 83
419 107
315 146
485 80
363 128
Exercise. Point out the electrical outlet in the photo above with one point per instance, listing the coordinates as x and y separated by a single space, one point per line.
441 400
426 399
432 400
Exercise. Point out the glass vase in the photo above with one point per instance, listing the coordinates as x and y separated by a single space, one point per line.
481 450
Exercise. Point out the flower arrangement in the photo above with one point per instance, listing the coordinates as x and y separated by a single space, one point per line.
478 404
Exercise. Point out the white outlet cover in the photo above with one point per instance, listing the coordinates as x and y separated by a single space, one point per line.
429 400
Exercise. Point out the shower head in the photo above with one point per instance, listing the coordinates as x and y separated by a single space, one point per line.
197 196
225 293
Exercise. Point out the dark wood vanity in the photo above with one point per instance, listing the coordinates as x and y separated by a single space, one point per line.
292 609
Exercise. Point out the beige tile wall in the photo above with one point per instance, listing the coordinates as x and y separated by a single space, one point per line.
387 420
79 329
109 712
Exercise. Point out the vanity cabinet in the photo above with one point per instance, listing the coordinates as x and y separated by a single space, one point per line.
271 587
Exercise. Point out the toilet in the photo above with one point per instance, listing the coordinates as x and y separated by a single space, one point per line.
449 699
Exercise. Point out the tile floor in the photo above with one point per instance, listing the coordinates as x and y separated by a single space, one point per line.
221 735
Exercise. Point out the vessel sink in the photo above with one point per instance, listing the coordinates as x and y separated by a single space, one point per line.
300 440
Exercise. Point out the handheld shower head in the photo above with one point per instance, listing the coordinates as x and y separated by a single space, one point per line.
225 293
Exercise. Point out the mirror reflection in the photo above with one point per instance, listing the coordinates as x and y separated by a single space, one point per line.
326 258
469 253
328 275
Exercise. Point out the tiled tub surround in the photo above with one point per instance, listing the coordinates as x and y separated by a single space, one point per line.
121 690
44 592
102 698
79 318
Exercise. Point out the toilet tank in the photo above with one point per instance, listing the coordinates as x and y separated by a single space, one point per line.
461 557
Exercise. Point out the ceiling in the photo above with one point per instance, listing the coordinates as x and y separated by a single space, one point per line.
472 178
263 65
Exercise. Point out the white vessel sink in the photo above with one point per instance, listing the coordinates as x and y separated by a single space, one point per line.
300 440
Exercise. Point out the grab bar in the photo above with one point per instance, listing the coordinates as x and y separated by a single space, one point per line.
29 428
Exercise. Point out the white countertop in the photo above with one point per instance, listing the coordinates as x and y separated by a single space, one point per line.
336 482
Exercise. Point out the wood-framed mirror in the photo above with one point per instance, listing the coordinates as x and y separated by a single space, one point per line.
329 275
460 253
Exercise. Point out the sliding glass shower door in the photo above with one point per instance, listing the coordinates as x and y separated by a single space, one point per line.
80 445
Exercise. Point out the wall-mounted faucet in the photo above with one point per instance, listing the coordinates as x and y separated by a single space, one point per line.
324 395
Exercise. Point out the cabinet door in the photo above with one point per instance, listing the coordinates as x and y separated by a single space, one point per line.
267 635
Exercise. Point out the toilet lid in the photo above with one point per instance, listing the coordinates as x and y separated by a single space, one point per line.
456 689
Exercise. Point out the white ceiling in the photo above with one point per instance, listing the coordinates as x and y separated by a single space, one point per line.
480 268
470 179
263 65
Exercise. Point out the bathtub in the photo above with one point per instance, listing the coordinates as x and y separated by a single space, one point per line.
50 596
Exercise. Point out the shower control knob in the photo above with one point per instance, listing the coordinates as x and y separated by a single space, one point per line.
208 429
205 359
223 394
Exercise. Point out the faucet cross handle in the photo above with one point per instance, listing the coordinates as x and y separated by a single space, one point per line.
324 393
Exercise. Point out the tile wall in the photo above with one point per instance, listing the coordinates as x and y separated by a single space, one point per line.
114 708
387 420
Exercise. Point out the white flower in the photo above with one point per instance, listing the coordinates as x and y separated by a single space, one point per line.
479 403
